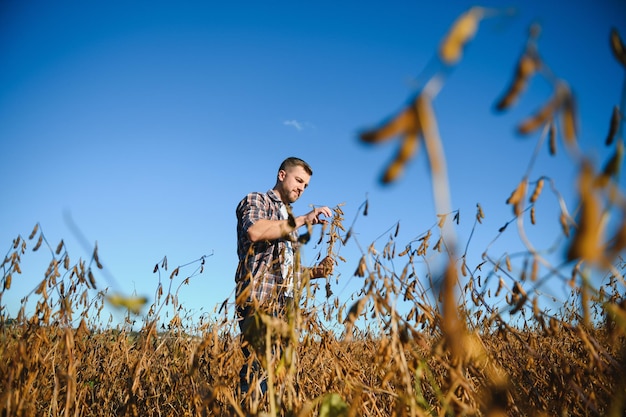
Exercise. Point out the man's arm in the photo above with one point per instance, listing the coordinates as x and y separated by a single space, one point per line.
265 229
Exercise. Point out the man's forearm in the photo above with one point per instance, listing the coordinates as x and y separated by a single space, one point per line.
265 229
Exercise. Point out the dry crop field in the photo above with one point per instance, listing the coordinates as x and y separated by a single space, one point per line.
453 351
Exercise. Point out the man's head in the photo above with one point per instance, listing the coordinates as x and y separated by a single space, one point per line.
293 177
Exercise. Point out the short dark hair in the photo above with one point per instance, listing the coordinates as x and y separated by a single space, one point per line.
292 161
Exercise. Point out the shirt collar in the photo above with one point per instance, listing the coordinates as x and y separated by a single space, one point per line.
274 196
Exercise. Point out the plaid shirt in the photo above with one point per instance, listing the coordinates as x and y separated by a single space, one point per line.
260 263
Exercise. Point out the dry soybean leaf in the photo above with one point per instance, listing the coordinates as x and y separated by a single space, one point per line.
518 290
614 125
322 234
355 310
304 238
34 232
500 286
587 242
545 114
392 172
568 118
535 270
537 190
442 220
59 247
403 123
536 311
407 150
38 244
526 67
479 214
92 279
95 256
174 273
348 235
461 32
552 138
360 270
618 48
613 166
517 197
41 289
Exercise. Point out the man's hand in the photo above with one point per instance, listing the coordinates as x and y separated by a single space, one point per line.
315 215
324 268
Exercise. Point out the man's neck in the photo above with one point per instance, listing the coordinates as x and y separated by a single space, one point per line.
279 194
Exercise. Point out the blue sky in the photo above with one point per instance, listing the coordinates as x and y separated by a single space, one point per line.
149 121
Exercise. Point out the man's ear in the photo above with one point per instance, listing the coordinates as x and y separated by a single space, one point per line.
281 174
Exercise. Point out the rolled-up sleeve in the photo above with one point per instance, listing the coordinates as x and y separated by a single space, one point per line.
251 209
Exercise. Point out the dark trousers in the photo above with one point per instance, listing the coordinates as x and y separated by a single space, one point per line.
254 370
250 370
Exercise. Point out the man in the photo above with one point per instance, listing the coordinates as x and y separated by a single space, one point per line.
267 239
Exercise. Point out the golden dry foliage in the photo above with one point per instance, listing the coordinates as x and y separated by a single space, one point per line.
561 104
378 362
613 126
527 65
407 124
416 121
561 108
588 241
462 31
617 47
